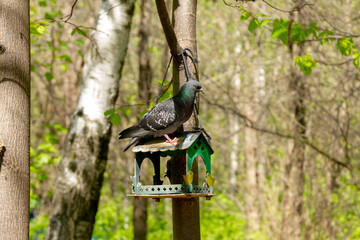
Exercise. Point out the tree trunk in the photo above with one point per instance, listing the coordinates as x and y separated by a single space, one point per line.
294 169
186 218
145 75
14 119
251 155
80 173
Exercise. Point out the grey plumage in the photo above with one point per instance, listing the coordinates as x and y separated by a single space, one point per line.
165 117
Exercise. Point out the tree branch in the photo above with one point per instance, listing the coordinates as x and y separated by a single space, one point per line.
168 28
71 12
296 8
250 124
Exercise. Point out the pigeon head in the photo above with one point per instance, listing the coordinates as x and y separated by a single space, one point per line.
193 86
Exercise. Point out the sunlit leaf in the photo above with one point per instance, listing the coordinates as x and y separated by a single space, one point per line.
264 22
260 15
60 128
345 46
109 112
47 147
115 119
306 63
254 23
245 15
280 31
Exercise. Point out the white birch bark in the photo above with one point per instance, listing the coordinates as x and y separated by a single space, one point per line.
79 178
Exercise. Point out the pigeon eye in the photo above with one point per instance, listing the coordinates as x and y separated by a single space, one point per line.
197 87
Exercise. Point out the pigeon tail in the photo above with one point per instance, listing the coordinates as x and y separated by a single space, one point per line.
133 140
134 131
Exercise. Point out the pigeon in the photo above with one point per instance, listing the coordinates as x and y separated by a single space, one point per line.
165 117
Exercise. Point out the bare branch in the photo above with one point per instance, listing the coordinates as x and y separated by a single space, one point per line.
71 12
168 29
296 8
249 123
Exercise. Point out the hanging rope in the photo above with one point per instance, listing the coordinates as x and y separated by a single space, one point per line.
184 55
164 78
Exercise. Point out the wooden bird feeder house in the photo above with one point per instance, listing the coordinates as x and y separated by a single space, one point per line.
191 145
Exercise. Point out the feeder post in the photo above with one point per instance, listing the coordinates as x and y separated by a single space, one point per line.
186 218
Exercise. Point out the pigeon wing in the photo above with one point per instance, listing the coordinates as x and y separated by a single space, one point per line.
160 117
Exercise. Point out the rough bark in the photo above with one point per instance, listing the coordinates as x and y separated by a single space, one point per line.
294 169
14 119
80 173
140 218
144 83
186 218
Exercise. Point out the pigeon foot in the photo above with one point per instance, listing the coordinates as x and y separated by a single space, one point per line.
172 141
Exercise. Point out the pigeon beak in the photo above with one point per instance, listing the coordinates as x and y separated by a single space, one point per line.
202 91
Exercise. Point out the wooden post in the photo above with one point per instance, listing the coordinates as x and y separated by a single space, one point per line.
186 218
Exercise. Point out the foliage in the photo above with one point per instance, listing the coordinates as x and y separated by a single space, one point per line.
227 49
38 227
291 31
43 156
220 221
306 63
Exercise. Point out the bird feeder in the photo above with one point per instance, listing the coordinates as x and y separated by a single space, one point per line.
190 145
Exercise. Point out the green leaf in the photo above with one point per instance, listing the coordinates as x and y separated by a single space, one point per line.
60 128
126 112
306 63
66 58
79 42
32 152
345 46
78 31
42 3
245 15
261 15
298 33
51 138
47 147
44 23
42 159
280 31
254 23
264 22
324 36
57 159
49 76
115 119
64 67
53 14
313 29
109 112
356 57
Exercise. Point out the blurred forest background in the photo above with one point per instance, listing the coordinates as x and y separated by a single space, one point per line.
281 106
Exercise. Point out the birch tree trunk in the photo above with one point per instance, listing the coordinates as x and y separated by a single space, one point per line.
254 143
80 173
14 119
294 169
